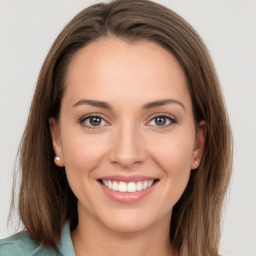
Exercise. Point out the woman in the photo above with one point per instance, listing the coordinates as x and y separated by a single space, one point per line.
127 148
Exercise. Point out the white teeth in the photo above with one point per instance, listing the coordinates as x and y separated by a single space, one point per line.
139 186
131 187
127 187
115 186
122 187
110 184
145 184
150 182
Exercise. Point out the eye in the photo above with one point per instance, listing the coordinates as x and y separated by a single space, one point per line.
162 120
93 121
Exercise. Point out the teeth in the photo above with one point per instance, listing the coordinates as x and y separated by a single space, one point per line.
115 186
139 186
110 184
150 182
131 187
127 187
145 185
122 187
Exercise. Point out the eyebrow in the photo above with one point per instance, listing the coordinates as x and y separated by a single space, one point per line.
95 103
160 103
103 104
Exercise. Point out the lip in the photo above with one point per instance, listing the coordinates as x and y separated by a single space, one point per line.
127 197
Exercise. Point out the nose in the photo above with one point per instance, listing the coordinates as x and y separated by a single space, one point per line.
127 147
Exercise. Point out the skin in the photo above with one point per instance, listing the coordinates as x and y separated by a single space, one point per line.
128 141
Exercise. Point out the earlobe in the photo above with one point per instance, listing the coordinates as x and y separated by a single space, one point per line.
200 137
57 161
56 142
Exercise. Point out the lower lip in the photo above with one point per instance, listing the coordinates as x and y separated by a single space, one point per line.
127 197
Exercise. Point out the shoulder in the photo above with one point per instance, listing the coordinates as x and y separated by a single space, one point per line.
21 244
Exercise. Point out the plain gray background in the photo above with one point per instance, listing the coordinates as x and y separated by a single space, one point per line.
27 30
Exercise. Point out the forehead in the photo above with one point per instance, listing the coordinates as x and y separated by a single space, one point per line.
113 66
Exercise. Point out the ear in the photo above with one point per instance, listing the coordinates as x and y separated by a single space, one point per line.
198 150
56 142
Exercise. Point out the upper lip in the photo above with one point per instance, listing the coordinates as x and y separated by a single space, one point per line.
132 178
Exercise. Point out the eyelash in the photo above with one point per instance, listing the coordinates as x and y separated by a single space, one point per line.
82 120
172 120
167 116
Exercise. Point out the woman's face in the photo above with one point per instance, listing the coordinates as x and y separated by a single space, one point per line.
126 133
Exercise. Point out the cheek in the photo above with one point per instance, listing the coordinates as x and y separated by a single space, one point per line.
82 156
174 154
82 152
175 164
174 159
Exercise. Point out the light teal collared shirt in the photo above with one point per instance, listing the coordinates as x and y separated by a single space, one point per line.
21 244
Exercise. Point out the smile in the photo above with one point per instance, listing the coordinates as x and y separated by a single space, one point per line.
127 189
130 187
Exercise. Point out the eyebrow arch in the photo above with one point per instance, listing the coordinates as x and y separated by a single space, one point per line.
160 103
102 104
95 103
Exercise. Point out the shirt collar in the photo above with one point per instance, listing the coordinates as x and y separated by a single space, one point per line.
66 247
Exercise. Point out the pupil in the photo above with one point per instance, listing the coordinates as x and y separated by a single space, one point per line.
160 120
95 121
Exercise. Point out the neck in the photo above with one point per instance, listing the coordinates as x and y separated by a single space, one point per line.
92 238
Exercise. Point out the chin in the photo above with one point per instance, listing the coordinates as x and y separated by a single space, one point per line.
127 226
129 221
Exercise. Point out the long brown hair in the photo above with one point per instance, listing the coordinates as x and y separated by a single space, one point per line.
46 201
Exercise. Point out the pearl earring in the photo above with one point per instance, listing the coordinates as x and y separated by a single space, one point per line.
57 158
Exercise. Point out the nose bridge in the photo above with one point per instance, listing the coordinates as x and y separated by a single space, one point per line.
127 148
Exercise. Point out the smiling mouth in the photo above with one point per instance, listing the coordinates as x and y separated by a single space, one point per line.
130 187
